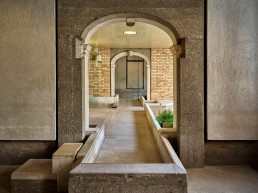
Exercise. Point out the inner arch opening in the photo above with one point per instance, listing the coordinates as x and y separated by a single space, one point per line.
107 34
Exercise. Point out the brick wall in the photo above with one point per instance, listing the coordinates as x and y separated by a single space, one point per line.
99 75
161 74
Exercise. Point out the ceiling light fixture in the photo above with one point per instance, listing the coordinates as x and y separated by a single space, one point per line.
130 22
130 32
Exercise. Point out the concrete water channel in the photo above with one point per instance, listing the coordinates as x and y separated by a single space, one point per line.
128 137
133 157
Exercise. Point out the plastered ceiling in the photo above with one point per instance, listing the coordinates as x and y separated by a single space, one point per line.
148 36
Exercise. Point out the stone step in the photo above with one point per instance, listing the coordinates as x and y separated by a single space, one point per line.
35 175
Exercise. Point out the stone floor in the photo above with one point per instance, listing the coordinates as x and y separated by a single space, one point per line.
222 179
128 137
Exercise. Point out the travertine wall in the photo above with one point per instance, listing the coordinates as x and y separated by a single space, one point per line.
232 112
232 70
161 74
99 75
27 63
27 80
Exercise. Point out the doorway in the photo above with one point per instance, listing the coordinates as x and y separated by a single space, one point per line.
131 79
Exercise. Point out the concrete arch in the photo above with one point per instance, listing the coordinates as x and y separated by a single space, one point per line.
121 17
115 18
113 67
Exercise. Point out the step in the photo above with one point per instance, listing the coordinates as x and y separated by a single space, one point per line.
35 175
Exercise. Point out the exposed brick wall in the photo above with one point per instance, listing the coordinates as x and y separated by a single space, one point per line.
161 74
99 75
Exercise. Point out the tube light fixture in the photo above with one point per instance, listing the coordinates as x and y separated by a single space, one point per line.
130 32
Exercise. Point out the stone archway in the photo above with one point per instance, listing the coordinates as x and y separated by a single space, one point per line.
113 67
83 50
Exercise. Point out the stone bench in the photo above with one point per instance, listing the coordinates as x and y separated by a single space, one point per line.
35 175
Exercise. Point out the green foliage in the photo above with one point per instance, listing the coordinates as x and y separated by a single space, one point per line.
165 117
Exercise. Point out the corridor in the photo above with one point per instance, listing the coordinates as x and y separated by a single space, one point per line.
128 137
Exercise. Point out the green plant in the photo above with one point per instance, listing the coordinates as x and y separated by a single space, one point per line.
166 117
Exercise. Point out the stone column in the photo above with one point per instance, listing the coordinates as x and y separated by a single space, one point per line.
113 75
85 50
189 98
148 82
176 51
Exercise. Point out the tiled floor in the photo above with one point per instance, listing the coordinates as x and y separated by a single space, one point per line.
128 137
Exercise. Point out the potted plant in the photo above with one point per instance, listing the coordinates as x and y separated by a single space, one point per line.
165 119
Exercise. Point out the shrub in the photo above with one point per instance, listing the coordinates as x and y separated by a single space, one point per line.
166 117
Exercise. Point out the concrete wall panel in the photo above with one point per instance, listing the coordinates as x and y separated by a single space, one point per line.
27 63
232 70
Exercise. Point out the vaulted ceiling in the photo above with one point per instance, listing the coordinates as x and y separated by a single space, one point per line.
147 36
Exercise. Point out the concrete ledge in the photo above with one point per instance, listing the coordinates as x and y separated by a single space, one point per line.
167 152
96 121
159 107
92 130
62 162
103 100
91 148
143 101
35 175
116 101
127 178
148 168
168 132
114 105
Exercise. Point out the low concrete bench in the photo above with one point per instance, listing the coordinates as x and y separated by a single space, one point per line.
35 175
62 162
